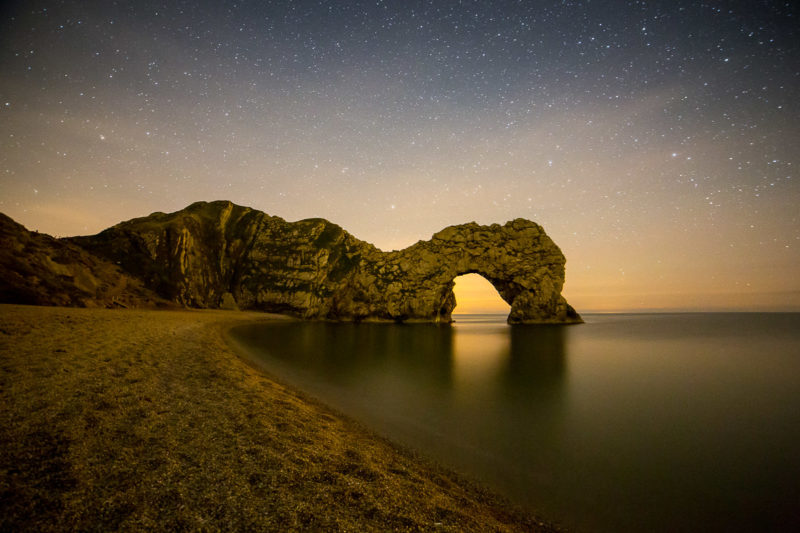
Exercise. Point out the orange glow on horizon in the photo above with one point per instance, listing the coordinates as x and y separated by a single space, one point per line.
476 295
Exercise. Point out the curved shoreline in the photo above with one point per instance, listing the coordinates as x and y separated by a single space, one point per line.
129 419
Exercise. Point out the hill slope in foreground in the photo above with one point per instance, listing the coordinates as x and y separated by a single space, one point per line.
38 269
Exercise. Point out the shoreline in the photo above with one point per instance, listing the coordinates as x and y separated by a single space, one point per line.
151 419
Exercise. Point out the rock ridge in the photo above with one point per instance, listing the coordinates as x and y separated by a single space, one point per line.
219 254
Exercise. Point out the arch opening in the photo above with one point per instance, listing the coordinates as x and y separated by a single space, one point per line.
476 295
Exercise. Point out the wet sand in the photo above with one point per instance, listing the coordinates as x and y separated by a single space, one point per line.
148 420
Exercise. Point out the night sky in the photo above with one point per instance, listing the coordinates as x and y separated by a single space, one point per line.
658 142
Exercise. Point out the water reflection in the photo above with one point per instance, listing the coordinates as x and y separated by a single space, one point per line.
347 354
627 423
519 363
538 359
481 396
480 353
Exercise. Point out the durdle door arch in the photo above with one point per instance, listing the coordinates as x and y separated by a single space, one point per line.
214 254
518 259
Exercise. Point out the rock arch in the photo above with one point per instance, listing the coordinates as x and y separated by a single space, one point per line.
518 259
218 253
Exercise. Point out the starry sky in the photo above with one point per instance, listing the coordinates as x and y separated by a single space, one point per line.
658 142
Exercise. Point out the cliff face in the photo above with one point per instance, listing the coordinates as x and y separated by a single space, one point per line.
37 269
222 255
219 254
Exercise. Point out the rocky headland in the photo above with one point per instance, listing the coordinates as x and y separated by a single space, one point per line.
221 255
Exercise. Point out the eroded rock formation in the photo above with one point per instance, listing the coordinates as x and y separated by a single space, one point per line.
220 254
517 258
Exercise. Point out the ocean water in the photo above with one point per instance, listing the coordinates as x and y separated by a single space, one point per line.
639 422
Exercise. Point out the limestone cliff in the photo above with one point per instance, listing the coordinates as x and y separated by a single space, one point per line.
210 254
220 254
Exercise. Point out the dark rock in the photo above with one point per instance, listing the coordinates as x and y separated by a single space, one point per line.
37 269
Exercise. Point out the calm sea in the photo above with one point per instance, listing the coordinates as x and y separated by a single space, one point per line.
649 422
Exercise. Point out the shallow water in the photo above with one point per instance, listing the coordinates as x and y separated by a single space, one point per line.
681 422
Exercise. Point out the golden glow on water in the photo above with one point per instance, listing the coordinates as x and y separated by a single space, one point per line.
475 295
479 354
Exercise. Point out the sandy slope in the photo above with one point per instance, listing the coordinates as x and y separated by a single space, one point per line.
132 420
